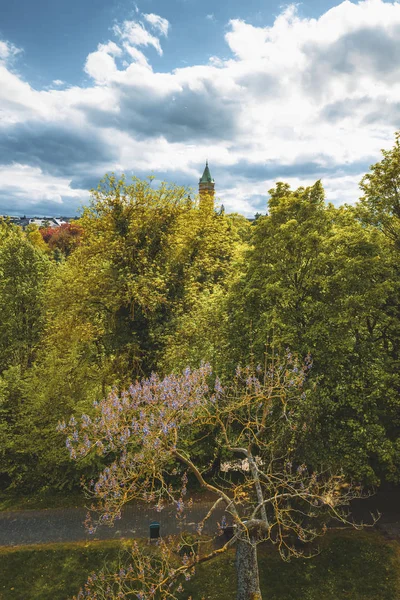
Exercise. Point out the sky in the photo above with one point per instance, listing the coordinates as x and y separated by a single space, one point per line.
265 91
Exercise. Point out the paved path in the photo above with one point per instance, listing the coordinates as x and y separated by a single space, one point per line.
66 524
388 505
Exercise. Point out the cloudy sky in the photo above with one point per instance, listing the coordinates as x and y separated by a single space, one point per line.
267 92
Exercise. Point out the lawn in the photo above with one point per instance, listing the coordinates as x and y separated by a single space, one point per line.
352 565
41 500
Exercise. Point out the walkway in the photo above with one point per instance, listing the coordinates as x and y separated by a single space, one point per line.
66 524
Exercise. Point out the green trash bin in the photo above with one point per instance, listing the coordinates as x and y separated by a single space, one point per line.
154 530
229 531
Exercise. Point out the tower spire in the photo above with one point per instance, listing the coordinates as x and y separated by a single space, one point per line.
206 188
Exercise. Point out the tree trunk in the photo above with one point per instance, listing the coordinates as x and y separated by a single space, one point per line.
248 583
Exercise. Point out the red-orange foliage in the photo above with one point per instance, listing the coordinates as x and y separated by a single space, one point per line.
66 237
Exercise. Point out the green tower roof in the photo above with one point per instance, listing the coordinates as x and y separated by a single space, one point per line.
206 177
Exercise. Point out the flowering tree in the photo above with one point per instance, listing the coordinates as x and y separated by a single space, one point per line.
153 429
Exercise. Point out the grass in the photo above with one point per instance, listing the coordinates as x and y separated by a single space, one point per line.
352 565
41 500
51 571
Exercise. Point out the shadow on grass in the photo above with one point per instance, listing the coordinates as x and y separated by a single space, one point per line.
352 565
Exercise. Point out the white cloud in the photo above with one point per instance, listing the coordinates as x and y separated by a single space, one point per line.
8 51
135 33
110 48
4 50
18 100
37 187
58 82
299 100
158 23
137 56
101 66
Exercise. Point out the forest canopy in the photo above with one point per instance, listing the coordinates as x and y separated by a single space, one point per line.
146 281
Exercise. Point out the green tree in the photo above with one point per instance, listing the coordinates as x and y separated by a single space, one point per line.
279 288
24 272
215 244
381 186
112 306
146 256
35 237
318 280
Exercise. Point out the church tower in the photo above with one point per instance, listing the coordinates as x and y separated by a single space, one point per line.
206 189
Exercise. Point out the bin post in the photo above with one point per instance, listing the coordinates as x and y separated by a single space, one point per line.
154 530
229 531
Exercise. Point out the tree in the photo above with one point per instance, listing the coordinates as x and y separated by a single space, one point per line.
318 280
65 238
112 305
24 272
381 186
279 289
146 257
198 332
151 432
35 237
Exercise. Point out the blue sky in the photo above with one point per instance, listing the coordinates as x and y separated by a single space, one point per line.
265 91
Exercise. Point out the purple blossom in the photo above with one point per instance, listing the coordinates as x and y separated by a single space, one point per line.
217 386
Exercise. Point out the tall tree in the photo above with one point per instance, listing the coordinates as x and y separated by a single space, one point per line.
152 430
24 272
145 258
318 280
381 199
217 243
